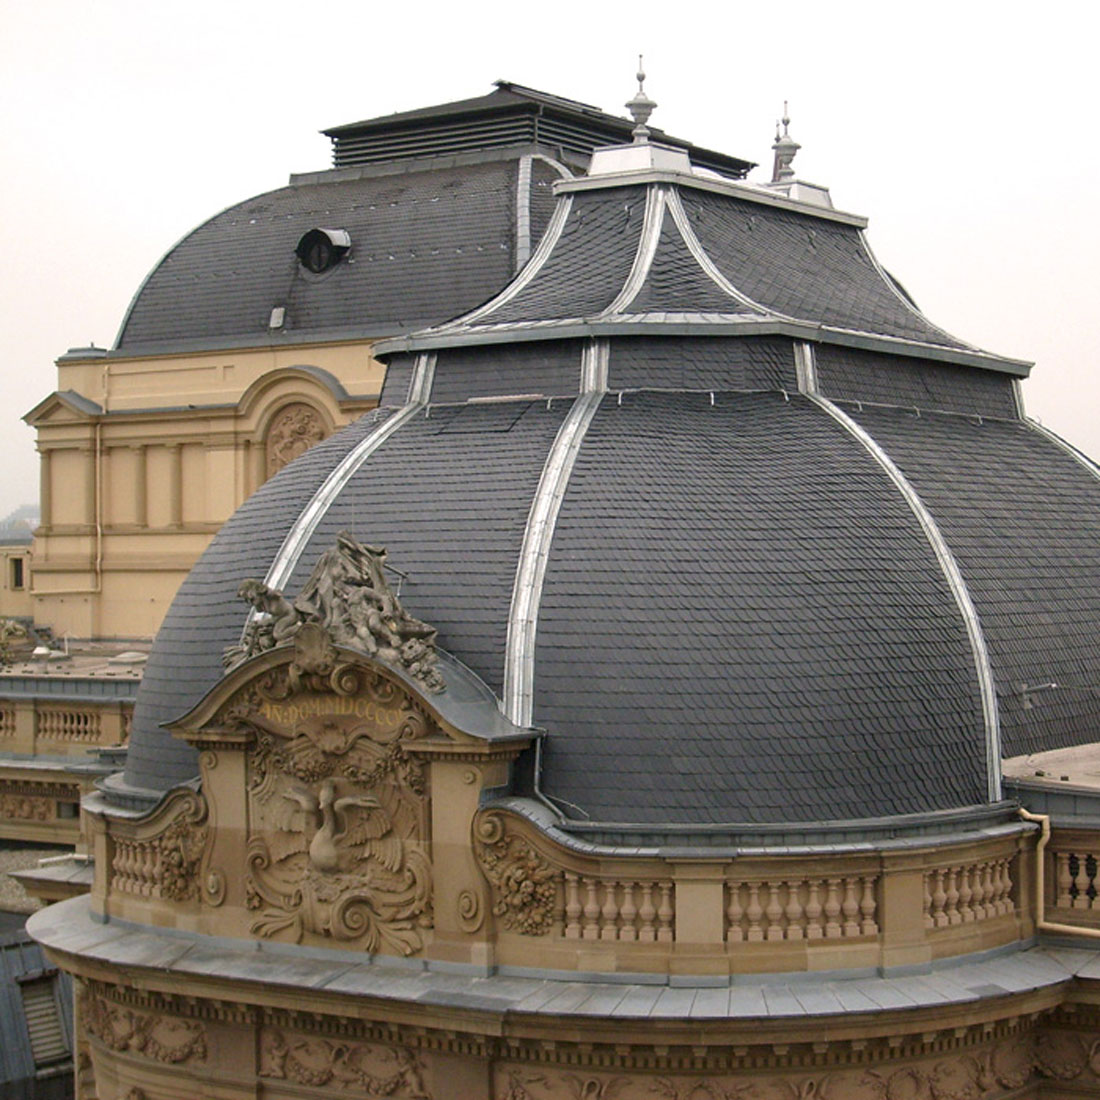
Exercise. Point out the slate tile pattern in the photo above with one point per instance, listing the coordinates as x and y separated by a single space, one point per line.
425 246
848 374
207 615
398 379
702 363
542 199
802 266
590 262
742 621
448 495
549 367
677 282
1022 518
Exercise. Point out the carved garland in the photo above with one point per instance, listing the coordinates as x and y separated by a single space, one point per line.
377 1070
159 1036
525 886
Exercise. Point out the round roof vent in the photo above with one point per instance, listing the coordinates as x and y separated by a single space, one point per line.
321 250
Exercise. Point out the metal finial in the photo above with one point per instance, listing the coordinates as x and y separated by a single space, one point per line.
640 107
785 148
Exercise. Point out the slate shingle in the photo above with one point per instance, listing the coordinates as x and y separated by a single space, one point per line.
426 246
742 621
207 615
1023 520
802 266
846 374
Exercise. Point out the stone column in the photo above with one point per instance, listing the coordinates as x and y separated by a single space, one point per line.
175 485
141 501
45 496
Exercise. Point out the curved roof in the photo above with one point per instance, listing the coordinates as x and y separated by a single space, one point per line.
793 570
426 243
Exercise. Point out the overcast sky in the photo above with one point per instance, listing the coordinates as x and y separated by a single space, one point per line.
965 131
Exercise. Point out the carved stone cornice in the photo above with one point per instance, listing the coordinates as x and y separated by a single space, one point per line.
983 1058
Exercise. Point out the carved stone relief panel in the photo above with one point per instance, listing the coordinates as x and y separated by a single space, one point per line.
525 886
362 1068
338 815
159 1036
294 429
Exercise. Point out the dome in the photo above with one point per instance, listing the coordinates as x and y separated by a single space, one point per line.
704 497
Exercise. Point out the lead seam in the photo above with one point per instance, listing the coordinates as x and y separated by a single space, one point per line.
946 559
297 538
519 654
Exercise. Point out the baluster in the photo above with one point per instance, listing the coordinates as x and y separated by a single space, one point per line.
851 908
1065 880
953 896
985 871
734 912
1006 887
774 912
939 900
647 913
1090 875
832 909
609 929
628 913
148 861
867 907
983 894
814 931
754 912
665 914
928 921
1080 882
591 911
794 911
572 907
966 894
994 904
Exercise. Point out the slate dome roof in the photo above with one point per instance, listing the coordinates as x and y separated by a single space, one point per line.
706 498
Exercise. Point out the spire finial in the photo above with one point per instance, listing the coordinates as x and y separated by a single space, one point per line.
785 148
640 107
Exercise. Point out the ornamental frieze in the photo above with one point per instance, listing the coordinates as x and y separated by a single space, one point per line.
364 1068
337 808
159 1036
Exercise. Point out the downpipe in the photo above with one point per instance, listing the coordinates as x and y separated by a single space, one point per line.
1041 923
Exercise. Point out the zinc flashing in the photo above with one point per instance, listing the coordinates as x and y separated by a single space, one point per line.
519 658
297 538
949 566
695 324
705 183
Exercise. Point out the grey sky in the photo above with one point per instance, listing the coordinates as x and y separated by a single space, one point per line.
965 131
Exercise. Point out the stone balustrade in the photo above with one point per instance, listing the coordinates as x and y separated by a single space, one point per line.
801 909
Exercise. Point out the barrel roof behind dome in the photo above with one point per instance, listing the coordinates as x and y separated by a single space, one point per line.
426 244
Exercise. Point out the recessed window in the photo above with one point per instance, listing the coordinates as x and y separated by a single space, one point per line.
17 578
321 250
